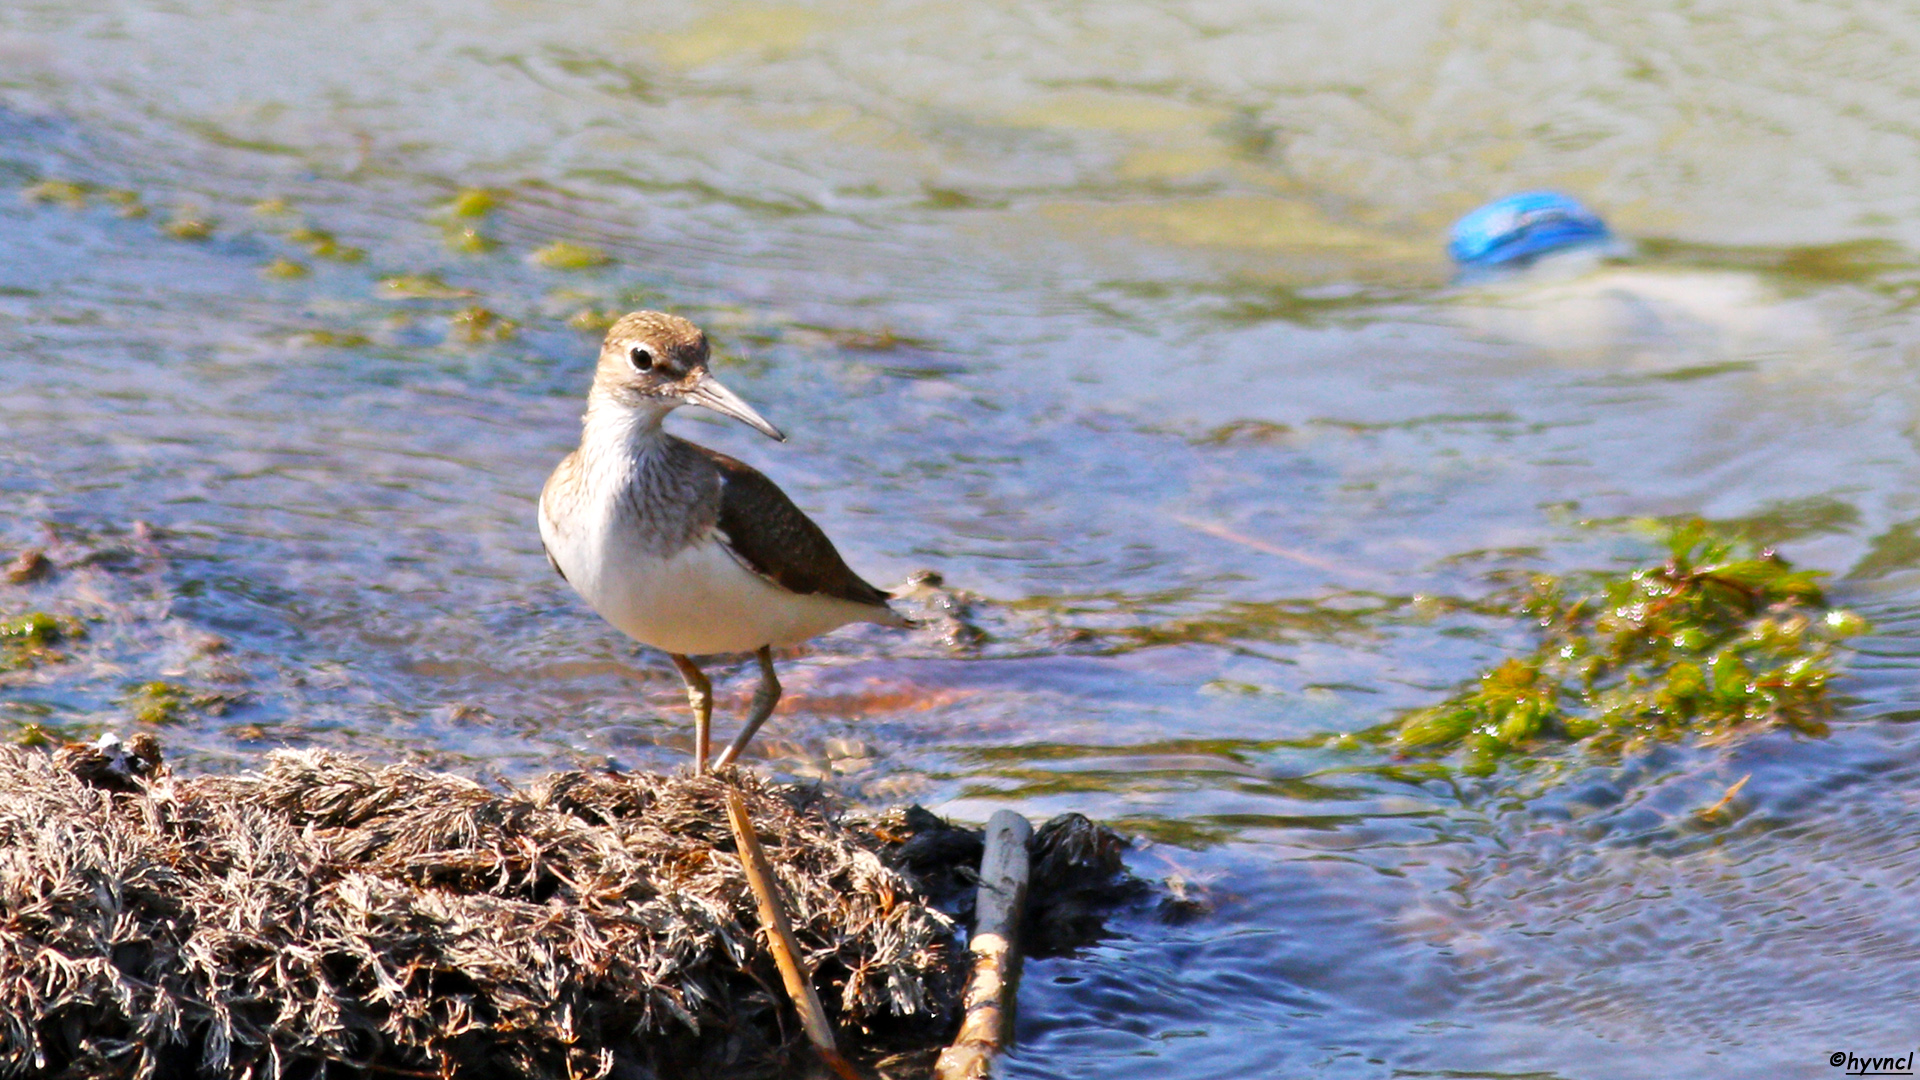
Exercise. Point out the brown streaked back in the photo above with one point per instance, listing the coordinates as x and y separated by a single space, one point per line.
776 540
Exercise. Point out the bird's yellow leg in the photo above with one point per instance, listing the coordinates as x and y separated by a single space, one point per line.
764 700
700 696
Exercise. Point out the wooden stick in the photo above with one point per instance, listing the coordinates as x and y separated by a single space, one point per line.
1725 799
786 951
988 1025
1353 574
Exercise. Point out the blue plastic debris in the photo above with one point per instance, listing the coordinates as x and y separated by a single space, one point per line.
1517 229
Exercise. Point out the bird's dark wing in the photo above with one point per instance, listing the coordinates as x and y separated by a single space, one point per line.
771 537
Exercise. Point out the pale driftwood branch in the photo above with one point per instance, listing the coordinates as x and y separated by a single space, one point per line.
786 951
988 1025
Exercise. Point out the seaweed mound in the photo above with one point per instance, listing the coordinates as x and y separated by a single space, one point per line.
327 917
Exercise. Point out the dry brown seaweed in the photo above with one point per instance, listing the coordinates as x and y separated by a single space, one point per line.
327 917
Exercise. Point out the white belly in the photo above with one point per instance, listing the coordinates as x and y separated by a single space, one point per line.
698 600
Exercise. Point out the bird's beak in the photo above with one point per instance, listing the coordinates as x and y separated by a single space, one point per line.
710 394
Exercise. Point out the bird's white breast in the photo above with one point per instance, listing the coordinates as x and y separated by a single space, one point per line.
695 600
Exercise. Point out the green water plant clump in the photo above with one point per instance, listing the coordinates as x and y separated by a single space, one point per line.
324 245
458 221
475 324
284 269
35 638
63 192
187 224
568 255
1718 638
471 203
419 287
160 703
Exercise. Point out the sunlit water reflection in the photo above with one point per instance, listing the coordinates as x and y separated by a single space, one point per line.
1130 319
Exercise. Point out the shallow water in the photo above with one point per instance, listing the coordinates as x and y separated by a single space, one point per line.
1130 319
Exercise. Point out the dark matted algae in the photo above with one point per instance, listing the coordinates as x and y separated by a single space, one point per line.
327 916
1077 878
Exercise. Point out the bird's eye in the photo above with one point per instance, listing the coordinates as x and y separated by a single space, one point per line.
642 359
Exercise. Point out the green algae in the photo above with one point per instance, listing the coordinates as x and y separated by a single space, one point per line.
285 269
419 287
74 196
475 325
468 240
33 630
1248 433
592 320
34 736
322 244
1273 621
1855 262
34 638
188 225
125 203
1719 638
458 218
331 339
160 703
471 203
64 192
567 255
885 339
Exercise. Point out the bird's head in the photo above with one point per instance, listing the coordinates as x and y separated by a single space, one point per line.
654 363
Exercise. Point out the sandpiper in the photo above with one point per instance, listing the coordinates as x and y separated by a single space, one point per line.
681 547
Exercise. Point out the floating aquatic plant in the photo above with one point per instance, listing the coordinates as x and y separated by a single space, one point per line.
468 240
1719 637
458 217
188 225
126 203
324 245
34 638
65 192
419 287
567 255
331 339
160 702
471 203
593 320
476 324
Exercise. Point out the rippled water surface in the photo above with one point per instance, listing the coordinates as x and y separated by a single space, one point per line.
1128 318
